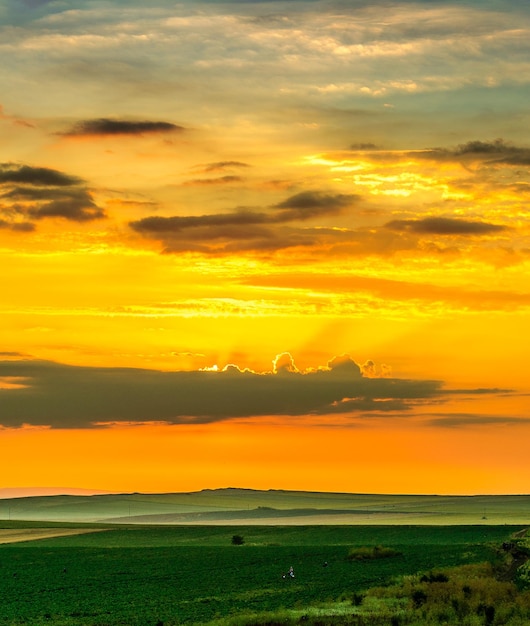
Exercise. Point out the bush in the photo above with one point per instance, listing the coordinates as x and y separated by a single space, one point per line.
433 577
237 540
357 599
419 597
365 553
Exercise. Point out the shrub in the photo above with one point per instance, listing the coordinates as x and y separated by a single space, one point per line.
488 611
432 577
237 540
377 552
357 599
419 598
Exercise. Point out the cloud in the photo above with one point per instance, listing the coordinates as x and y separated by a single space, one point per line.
35 3
39 176
312 203
20 227
67 396
15 120
221 180
483 147
106 126
244 228
219 166
79 208
360 147
36 193
444 226
354 288
462 420
140 52
497 151
177 224
284 363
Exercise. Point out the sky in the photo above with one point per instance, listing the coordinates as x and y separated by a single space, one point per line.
265 244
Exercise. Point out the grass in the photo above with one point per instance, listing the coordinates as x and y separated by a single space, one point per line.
245 506
193 574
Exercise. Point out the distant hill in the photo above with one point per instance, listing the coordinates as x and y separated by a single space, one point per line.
247 506
26 492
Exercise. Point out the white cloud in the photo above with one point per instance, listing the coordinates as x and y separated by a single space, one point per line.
409 48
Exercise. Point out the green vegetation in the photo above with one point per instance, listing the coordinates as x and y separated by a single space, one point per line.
365 553
517 563
237 540
469 595
241 506
139 575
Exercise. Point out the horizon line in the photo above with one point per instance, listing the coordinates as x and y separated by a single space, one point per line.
7 493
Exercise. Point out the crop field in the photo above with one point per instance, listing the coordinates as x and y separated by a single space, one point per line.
247 506
15 535
132 575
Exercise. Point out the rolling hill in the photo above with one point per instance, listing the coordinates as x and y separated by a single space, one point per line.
247 506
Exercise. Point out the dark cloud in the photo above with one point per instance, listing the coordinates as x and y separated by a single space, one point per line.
276 239
176 224
245 229
221 180
483 147
66 396
478 391
491 152
222 165
364 146
106 126
462 420
521 158
77 208
38 176
444 226
311 203
36 193
497 151
22 227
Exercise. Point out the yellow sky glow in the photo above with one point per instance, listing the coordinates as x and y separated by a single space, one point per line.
200 190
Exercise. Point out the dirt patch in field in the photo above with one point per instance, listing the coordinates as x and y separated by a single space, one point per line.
13 535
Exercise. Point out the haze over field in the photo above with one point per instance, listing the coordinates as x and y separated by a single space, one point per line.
271 244
246 507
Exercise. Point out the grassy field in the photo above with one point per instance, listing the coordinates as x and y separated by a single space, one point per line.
247 506
169 575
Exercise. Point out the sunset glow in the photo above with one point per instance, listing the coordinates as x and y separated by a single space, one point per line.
265 244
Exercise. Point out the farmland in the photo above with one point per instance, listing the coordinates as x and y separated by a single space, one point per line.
248 506
140 559
131 574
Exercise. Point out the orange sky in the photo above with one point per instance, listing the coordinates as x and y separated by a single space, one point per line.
267 249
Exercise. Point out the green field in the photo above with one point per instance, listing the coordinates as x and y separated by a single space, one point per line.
169 558
132 575
247 506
